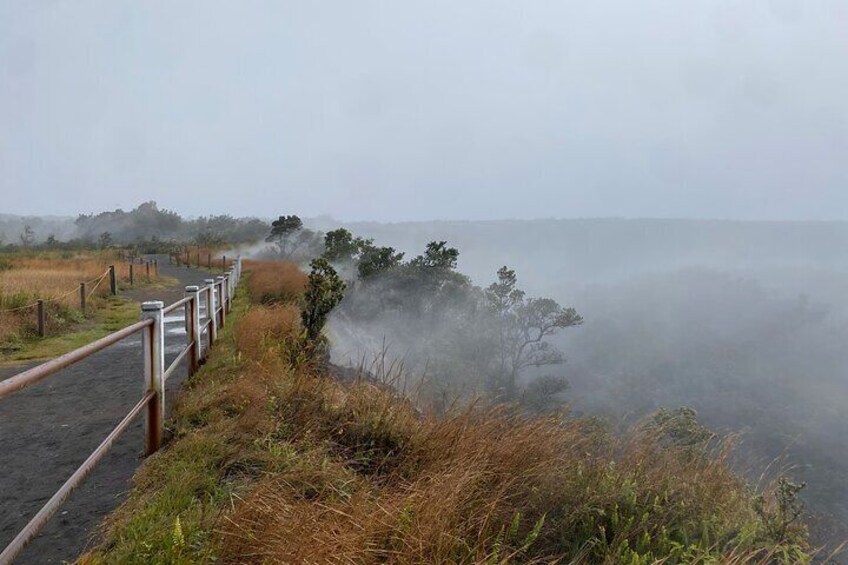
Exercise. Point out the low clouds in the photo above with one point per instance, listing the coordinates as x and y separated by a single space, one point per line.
421 110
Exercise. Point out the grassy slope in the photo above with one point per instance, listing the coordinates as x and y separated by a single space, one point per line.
273 462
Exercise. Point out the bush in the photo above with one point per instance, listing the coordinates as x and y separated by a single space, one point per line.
323 293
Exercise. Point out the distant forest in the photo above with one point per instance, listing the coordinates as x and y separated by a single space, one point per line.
145 223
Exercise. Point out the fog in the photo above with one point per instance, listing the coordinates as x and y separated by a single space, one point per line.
486 115
746 322
418 110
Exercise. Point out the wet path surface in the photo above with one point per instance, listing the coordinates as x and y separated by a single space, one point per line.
50 428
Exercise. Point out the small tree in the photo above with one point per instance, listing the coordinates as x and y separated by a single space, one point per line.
291 239
283 230
378 260
340 246
51 241
209 239
780 512
27 236
105 240
523 325
437 256
284 226
324 291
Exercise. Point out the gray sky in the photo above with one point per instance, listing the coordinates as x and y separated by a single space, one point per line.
401 110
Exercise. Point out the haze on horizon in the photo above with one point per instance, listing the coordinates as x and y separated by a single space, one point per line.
419 110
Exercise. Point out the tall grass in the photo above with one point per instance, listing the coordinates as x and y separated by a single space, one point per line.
274 281
49 277
274 461
53 277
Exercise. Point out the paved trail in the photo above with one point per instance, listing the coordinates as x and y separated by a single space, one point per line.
48 429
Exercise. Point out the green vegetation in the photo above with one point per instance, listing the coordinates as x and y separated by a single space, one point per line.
292 241
324 291
114 313
469 341
273 460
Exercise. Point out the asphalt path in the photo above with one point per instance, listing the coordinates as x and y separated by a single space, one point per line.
50 428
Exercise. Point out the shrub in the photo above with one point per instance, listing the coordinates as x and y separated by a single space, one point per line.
323 293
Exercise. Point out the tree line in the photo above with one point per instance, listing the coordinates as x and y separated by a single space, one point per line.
146 225
464 340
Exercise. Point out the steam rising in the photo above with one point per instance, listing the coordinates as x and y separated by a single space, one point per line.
744 322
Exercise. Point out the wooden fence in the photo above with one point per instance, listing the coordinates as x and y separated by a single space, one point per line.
216 296
86 291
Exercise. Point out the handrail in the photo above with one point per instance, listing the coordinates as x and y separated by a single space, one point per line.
153 347
172 367
177 304
32 376
49 509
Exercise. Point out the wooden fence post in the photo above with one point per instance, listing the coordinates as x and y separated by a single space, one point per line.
82 298
131 275
211 311
153 340
193 328
40 324
223 262
229 278
222 298
113 282
147 270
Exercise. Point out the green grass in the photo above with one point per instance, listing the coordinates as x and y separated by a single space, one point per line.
171 524
115 313
141 282
178 495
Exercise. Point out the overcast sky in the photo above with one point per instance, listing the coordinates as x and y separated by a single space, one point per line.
402 110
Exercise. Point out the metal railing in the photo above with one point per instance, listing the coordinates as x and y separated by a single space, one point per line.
217 296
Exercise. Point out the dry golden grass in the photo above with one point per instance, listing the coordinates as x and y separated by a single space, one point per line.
54 279
264 334
274 281
211 257
48 278
372 482
367 479
275 462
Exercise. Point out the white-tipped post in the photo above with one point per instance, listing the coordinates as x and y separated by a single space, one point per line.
211 307
153 340
222 296
193 328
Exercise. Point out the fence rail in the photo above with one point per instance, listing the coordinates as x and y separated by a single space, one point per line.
217 295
